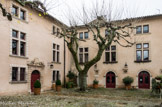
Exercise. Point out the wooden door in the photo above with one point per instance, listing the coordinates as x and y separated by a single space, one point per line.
144 80
110 80
34 76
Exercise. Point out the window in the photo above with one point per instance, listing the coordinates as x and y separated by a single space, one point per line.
83 35
110 54
18 74
138 30
106 33
53 30
18 43
55 76
145 28
22 14
56 53
83 55
14 73
58 31
142 52
86 35
15 10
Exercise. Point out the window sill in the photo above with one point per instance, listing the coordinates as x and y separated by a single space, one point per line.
113 62
142 33
16 56
18 82
142 61
25 21
56 62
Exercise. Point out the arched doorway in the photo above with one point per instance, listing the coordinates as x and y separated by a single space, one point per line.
144 80
110 80
34 76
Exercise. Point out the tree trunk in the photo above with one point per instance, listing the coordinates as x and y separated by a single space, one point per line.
82 81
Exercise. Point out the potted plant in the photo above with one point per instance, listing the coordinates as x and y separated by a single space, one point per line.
58 85
69 85
95 84
37 87
128 81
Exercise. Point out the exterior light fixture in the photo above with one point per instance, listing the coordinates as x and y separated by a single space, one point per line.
125 69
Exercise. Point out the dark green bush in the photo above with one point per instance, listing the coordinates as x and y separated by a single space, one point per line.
58 82
128 80
37 84
69 85
95 81
71 75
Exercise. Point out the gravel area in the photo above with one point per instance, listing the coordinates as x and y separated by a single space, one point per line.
92 98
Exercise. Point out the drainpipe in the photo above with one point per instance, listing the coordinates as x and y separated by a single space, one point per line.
64 64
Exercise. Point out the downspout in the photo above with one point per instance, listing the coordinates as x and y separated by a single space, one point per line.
64 64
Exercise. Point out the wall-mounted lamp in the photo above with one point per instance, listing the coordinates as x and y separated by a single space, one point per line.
125 69
96 69
51 66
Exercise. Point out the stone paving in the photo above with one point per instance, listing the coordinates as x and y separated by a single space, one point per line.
69 98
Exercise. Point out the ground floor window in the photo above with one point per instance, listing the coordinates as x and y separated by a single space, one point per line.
55 76
18 74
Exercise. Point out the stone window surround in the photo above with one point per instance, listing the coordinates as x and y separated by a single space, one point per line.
135 60
19 8
84 34
26 41
83 54
18 81
142 25
56 53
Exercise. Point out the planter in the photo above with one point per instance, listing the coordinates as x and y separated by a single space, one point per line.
37 91
95 86
128 87
53 86
58 88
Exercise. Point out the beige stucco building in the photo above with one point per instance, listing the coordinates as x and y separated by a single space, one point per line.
142 61
30 50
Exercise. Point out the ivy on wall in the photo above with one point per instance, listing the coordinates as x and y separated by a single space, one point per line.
5 13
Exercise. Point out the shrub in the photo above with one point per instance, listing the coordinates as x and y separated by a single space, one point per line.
95 81
128 80
159 77
37 84
58 82
71 75
69 85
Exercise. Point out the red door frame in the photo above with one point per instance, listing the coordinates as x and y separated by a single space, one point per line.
144 80
110 83
34 76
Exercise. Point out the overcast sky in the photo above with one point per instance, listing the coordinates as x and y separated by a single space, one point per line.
139 7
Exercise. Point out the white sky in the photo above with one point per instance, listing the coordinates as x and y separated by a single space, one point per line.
138 7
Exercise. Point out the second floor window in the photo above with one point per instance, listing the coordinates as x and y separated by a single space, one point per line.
83 35
83 55
138 30
56 53
22 14
15 10
142 52
145 28
18 43
110 54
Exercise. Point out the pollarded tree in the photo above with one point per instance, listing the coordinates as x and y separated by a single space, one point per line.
117 31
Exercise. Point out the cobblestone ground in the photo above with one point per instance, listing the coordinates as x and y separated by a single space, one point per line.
69 98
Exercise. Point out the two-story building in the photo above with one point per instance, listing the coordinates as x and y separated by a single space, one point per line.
30 49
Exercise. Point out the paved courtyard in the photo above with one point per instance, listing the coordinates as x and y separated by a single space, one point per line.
92 98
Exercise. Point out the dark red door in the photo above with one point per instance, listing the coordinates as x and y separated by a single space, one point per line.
34 76
144 80
110 80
